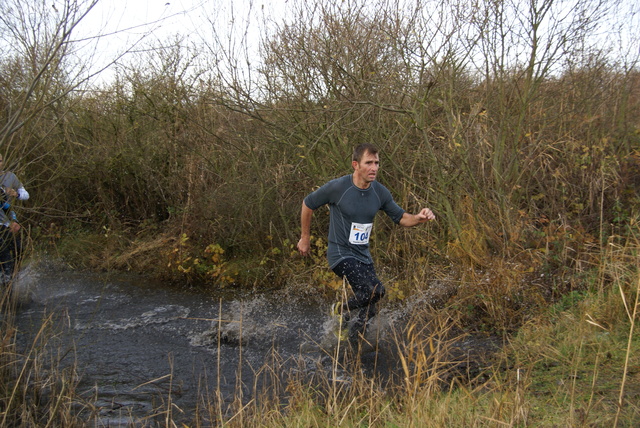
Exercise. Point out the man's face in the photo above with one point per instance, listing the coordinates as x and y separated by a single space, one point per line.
367 169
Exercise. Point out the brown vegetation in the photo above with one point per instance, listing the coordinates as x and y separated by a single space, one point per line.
524 143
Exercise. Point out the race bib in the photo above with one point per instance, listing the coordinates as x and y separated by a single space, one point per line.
360 233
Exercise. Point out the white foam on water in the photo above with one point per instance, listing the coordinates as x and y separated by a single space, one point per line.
256 322
23 285
159 315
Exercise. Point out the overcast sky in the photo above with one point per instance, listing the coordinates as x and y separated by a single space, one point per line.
134 18
125 23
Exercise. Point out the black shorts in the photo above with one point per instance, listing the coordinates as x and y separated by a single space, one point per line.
367 287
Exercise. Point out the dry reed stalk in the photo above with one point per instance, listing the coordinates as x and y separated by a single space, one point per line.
218 365
423 352
335 386
632 313
25 371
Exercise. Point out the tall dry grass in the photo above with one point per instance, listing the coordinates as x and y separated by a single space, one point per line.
573 364
192 172
496 146
38 375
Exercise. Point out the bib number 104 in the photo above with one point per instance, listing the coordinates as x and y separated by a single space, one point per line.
359 234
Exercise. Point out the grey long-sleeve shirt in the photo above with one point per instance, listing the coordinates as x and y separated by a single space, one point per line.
351 214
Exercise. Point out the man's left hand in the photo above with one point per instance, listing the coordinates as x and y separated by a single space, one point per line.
425 215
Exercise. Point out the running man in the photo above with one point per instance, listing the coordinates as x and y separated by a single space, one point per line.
354 200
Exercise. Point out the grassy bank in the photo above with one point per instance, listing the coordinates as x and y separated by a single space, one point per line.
572 363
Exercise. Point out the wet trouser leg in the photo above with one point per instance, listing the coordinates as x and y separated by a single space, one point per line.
367 290
10 249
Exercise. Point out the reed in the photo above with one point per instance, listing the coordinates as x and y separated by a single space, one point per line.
495 149
196 174
39 380
573 364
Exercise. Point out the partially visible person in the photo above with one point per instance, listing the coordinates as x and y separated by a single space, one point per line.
11 189
353 201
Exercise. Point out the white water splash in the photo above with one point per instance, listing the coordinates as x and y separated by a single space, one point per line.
159 315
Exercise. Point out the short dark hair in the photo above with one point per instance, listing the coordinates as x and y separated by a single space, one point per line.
361 149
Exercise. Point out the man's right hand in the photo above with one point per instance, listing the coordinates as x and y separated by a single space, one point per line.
304 246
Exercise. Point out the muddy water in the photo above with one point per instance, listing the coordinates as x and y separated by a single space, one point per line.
138 344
